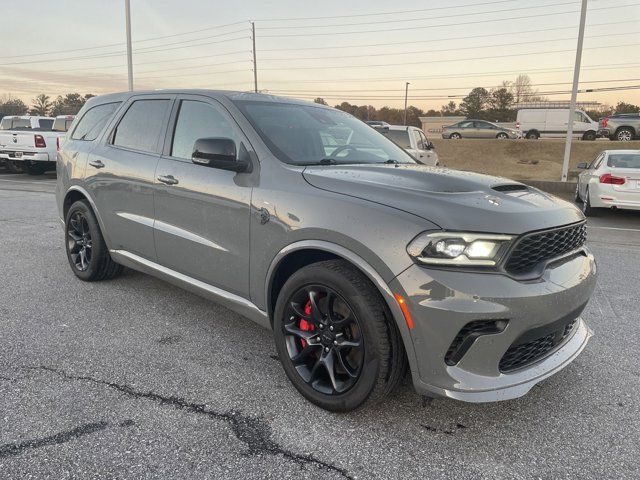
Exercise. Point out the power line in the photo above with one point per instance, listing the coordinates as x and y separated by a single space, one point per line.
466 59
443 39
413 52
465 75
419 19
122 43
502 19
397 12
321 92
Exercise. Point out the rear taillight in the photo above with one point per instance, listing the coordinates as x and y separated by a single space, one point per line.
611 179
517 125
39 141
604 122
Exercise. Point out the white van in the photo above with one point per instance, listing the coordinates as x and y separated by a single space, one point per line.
534 123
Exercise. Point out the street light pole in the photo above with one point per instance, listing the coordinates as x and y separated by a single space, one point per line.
574 92
255 63
406 94
127 7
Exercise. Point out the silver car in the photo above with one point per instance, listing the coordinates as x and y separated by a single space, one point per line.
478 129
309 222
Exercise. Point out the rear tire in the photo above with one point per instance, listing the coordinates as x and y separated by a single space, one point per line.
455 136
624 134
86 249
382 357
589 136
35 169
12 166
532 135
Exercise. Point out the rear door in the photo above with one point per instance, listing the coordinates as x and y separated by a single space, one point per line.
485 130
466 129
203 213
120 173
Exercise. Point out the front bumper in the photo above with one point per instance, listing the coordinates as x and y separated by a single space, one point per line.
603 132
442 302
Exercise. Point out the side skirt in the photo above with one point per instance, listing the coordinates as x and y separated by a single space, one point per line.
231 301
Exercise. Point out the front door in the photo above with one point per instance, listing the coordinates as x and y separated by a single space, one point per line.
201 213
120 174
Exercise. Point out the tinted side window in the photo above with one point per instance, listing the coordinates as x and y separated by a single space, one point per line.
399 137
465 125
142 125
92 122
199 120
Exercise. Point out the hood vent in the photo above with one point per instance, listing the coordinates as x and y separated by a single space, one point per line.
510 187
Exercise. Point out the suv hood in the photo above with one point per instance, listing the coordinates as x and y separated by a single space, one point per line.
453 200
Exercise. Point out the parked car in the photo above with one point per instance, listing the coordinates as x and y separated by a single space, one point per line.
611 180
534 123
413 141
361 261
31 143
622 127
478 129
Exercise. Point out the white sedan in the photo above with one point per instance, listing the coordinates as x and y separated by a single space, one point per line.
611 180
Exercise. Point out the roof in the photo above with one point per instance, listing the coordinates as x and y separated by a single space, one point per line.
230 94
633 152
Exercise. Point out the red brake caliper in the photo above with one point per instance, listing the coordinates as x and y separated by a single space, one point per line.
304 325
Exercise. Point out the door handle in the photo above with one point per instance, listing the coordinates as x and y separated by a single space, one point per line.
96 163
168 179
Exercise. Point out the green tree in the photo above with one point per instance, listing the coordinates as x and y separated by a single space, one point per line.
41 105
70 104
623 107
450 109
13 106
501 106
474 104
320 100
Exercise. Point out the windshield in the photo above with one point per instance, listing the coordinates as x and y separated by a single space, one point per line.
624 160
309 135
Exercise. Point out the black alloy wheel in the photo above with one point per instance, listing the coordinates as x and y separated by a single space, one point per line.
79 242
336 339
86 249
324 339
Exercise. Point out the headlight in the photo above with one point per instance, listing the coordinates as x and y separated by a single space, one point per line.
462 249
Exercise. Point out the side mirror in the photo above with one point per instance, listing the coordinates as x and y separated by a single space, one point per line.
430 146
583 166
219 153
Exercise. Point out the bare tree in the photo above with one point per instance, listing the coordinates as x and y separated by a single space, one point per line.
523 91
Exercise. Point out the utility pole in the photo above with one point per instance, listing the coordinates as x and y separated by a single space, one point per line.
574 92
406 94
127 7
255 65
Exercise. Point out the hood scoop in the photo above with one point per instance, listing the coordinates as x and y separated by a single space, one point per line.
510 187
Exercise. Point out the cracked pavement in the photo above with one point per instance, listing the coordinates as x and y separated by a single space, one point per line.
135 378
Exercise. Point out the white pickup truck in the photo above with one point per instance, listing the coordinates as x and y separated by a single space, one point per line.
31 143
413 140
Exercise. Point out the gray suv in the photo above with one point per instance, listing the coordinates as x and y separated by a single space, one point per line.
309 222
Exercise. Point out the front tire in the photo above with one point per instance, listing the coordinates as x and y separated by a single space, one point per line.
589 136
335 337
86 249
587 209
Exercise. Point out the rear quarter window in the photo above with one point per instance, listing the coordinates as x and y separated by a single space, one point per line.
142 125
93 121
624 160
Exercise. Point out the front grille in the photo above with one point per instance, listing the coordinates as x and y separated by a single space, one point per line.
533 249
524 354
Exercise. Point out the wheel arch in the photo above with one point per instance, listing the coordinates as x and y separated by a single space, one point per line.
75 193
306 252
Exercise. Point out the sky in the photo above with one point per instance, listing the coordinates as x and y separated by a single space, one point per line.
360 51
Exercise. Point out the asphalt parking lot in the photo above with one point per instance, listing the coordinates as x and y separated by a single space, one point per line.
136 378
